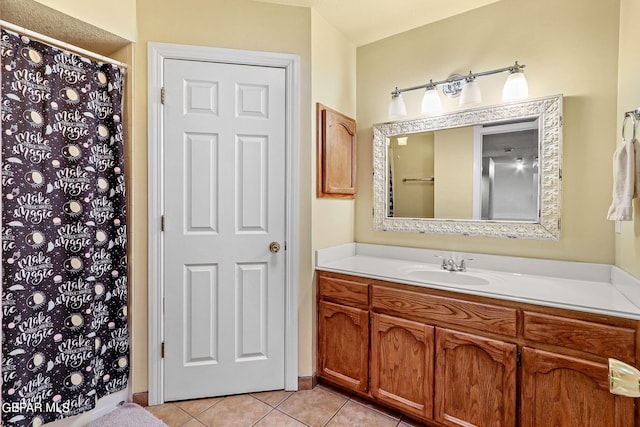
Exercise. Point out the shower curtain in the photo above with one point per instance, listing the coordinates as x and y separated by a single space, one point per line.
65 340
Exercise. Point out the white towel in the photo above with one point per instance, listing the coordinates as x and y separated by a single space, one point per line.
636 150
626 180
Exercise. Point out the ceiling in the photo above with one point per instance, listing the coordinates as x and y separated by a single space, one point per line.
365 21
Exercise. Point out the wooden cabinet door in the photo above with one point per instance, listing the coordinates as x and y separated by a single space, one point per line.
336 153
475 380
560 390
343 345
402 364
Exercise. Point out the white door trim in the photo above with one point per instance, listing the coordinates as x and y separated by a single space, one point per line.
157 53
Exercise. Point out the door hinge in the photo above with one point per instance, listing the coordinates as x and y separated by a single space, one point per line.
518 358
162 223
162 95
162 350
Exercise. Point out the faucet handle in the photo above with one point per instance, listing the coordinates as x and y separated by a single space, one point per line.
444 262
463 264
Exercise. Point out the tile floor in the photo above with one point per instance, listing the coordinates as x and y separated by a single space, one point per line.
322 406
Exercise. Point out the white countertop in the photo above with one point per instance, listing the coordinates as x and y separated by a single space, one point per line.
593 288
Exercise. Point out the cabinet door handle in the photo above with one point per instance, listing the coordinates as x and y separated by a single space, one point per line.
623 379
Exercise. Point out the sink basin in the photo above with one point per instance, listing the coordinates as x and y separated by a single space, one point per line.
447 277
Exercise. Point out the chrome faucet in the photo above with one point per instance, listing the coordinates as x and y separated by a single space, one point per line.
451 265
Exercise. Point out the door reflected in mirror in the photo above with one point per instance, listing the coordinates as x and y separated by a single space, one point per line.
509 179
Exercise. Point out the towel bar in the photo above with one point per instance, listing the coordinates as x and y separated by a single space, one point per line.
635 117
430 179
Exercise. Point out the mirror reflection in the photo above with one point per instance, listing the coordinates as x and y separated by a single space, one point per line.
482 172
508 173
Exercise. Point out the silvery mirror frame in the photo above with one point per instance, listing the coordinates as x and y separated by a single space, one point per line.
547 226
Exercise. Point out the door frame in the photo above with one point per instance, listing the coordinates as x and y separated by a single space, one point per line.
157 53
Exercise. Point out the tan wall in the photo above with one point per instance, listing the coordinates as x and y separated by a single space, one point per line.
454 173
333 84
413 199
628 242
116 16
569 47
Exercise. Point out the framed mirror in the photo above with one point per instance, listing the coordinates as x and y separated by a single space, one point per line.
491 171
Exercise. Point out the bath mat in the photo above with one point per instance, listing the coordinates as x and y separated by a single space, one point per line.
128 415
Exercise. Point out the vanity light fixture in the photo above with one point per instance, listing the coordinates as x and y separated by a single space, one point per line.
431 102
466 87
516 87
471 93
397 108
402 140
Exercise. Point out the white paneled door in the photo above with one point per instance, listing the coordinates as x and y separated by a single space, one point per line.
224 201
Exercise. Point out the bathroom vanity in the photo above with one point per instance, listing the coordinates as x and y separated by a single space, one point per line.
526 344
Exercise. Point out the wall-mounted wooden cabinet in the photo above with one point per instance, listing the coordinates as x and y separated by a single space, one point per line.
450 359
336 155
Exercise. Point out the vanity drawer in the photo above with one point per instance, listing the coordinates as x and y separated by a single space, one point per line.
595 338
343 291
431 308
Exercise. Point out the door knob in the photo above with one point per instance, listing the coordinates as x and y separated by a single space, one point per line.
274 247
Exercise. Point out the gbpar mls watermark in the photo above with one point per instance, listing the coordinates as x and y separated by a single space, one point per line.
22 407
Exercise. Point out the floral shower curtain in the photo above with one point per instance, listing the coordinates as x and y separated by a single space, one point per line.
65 340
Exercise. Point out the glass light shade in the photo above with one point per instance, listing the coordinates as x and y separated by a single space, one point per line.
397 108
431 102
402 140
515 88
471 94
624 379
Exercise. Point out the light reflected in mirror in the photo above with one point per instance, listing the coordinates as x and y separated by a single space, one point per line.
492 171
482 172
